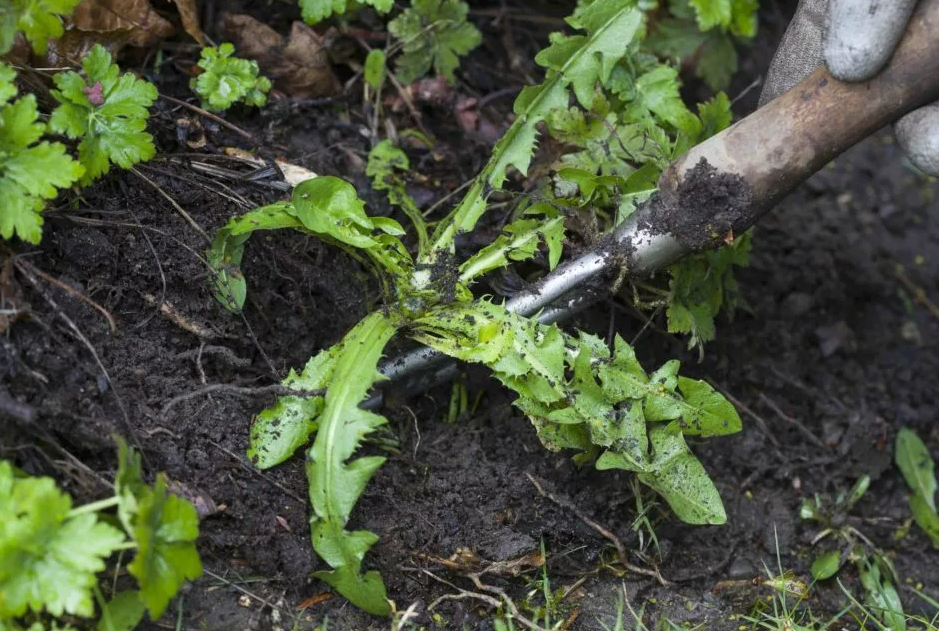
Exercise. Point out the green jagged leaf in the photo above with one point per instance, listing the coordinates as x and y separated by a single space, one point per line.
715 116
656 91
278 431
38 20
375 69
826 565
433 34
336 482
49 558
701 286
578 62
717 62
165 530
226 80
122 613
518 242
108 111
315 11
32 170
681 479
385 161
711 13
579 395
331 207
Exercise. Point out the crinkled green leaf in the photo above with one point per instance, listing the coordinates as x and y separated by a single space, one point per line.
881 595
701 286
31 171
336 482
315 11
717 61
711 13
926 518
433 34
48 559
656 91
38 20
715 116
165 530
226 80
330 206
108 111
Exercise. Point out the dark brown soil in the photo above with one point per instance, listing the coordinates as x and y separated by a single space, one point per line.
833 357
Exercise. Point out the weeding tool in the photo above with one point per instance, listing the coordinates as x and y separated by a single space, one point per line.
722 186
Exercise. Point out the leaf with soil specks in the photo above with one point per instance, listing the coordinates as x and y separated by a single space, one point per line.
579 395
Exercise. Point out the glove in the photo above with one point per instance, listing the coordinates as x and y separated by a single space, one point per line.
855 39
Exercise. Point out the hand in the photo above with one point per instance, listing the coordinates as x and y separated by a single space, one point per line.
855 39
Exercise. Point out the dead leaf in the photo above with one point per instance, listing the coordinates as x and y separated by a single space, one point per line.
299 66
203 503
189 14
143 25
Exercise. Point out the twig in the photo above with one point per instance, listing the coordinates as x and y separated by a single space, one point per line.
218 119
919 294
73 292
463 594
253 470
179 209
802 428
606 534
764 427
276 388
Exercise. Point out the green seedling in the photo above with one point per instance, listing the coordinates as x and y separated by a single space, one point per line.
37 21
433 35
878 576
919 471
52 552
226 80
107 110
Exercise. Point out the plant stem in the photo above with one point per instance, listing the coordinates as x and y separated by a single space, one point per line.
94 507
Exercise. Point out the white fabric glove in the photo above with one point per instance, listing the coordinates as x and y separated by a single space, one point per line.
855 39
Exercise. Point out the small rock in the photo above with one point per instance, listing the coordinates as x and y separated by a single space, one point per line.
740 569
797 304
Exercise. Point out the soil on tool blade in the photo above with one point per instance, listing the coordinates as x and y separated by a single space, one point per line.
836 352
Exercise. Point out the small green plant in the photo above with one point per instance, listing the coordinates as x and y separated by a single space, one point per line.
37 20
315 11
226 80
919 471
604 91
703 32
878 576
433 34
32 170
107 110
51 552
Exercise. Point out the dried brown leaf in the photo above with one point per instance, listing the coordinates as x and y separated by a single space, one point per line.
189 14
143 25
298 66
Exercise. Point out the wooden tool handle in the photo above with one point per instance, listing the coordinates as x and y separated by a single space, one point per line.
780 145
